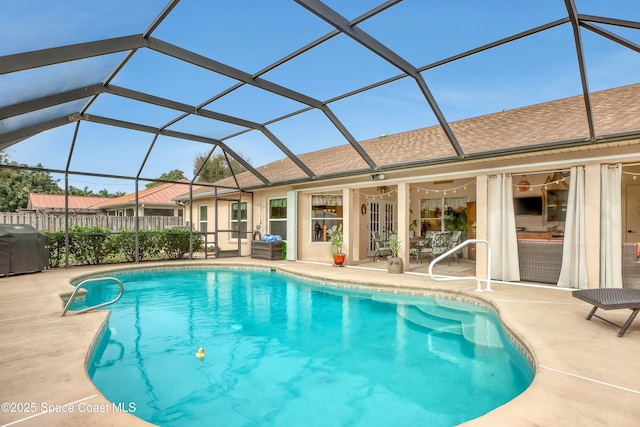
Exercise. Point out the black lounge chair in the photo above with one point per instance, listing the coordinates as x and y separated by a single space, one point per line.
611 299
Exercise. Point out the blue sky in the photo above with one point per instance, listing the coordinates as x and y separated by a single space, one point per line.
252 34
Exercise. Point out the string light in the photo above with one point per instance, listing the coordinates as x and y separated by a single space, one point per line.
444 190
418 190
544 186
633 174
376 196
455 189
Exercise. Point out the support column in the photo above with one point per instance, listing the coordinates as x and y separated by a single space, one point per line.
347 228
404 208
292 225
354 222
481 225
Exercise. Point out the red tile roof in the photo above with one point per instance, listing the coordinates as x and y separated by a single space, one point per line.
161 194
56 201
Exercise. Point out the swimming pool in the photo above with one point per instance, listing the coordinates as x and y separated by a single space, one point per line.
283 351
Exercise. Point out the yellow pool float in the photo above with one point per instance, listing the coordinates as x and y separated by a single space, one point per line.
200 353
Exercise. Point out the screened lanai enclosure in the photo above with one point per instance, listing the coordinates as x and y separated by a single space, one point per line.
112 94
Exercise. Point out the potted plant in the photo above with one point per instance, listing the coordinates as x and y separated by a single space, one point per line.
336 238
394 263
456 219
412 227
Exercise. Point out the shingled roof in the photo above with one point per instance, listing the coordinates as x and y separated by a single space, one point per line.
536 127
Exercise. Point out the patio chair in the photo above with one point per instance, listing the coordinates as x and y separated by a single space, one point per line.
379 245
415 249
439 245
454 240
611 299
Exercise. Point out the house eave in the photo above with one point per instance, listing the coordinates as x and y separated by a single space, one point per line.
575 145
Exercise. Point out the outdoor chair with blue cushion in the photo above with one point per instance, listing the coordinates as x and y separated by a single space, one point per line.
611 299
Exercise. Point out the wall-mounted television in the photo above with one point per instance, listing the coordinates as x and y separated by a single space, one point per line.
527 205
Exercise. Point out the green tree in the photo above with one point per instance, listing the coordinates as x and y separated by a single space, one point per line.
216 168
174 175
105 193
75 191
86 191
16 184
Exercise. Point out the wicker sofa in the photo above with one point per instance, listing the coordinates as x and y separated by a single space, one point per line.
540 260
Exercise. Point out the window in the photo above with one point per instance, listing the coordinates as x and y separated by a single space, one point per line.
278 217
433 212
326 211
158 212
238 220
430 215
203 218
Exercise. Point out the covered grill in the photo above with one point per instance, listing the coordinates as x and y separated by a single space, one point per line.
23 249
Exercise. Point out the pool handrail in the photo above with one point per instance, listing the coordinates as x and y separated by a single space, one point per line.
451 252
93 307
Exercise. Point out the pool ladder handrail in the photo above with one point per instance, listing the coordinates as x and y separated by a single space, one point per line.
456 249
93 307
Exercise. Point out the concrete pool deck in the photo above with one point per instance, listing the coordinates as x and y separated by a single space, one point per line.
585 374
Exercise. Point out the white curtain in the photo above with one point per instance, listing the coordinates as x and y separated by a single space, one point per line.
610 227
501 229
456 203
573 273
431 204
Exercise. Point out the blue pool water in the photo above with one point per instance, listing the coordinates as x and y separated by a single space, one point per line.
281 351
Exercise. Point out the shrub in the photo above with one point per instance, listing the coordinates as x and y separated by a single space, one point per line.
124 244
56 248
175 242
148 242
95 245
90 245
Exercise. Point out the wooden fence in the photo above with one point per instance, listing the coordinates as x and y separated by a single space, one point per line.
49 222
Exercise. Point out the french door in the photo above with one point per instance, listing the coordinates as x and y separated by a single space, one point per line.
632 219
382 220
